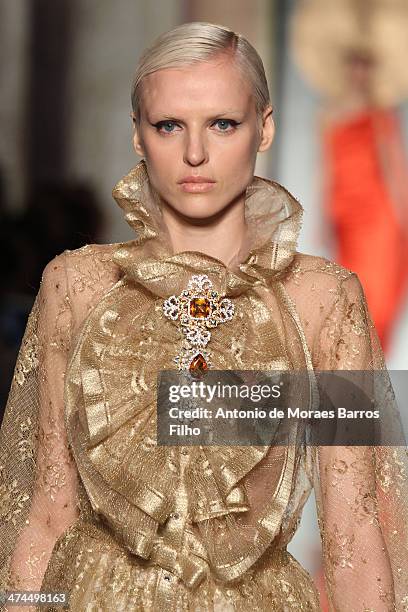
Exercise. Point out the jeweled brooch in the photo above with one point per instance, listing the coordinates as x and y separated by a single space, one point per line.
198 308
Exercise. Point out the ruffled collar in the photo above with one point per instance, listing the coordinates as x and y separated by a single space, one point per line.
273 217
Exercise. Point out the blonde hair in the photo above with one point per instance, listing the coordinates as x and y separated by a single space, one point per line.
199 41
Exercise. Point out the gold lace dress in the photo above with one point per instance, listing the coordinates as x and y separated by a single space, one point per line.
91 506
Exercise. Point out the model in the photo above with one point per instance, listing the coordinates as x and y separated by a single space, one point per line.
90 504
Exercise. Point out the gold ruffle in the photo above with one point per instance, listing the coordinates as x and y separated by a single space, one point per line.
110 388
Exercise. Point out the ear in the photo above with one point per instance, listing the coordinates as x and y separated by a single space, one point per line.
268 129
137 142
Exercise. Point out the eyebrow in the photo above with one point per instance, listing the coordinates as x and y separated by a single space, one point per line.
216 116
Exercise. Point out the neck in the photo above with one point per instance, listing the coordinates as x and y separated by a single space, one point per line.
220 236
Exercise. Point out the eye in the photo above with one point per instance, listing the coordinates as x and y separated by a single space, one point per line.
223 124
167 125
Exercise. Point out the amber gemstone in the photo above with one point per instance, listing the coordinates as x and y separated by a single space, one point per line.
198 365
200 308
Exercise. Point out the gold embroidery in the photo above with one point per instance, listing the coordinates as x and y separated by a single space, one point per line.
11 499
28 357
340 548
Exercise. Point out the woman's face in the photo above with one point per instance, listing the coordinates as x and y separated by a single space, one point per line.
200 121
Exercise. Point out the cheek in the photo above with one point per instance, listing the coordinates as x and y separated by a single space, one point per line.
238 150
237 159
155 149
159 161
155 146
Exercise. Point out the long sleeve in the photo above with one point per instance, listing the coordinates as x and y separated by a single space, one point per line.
38 480
361 491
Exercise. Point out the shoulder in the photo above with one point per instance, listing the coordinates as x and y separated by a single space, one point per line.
84 274
95 259
89 254
318 273
322 289
304 263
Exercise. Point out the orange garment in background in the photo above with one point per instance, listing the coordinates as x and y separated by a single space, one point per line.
366 201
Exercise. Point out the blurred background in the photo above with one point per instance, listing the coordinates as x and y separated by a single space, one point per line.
338 86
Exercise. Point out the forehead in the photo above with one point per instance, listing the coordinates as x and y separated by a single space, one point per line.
202 88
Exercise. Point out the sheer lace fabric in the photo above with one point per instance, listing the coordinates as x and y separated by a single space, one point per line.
38 475
80 491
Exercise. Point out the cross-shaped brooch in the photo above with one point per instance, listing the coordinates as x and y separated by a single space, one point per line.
199 308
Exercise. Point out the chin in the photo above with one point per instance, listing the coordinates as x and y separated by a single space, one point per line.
199 210
195 206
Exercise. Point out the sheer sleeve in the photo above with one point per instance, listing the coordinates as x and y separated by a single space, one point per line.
38 482
361 491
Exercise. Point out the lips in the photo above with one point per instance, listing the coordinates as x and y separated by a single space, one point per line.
196 179
197 184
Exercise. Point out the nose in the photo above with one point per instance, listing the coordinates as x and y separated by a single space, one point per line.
195 149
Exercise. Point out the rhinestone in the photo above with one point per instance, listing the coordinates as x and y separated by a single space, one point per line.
200 308
198 365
